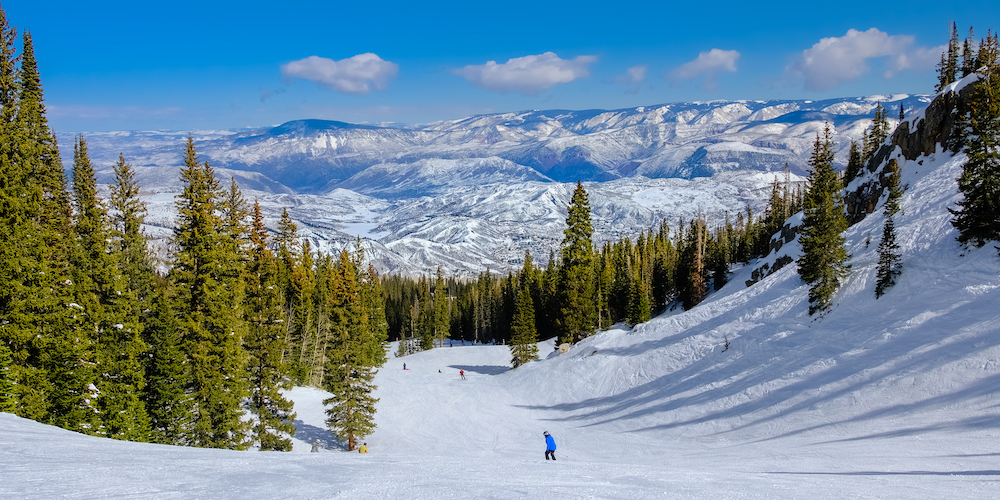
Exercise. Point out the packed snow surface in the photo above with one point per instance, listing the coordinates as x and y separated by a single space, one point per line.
744 396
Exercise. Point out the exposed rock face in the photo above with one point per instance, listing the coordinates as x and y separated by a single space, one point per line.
935 131
931 132
788 233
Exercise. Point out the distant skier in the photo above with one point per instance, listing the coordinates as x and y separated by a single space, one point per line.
315 448
404 366
550 446
363 448
462 373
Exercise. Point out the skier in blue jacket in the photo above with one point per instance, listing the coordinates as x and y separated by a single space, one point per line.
550 446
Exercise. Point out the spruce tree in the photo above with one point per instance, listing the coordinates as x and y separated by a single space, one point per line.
63 347
264 344
209 298
576 316
854 164
22 290
824 259
350 369
889 267
167 401
102 290
441 317
524 336
976 217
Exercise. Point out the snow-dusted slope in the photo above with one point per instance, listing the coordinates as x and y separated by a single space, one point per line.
888 398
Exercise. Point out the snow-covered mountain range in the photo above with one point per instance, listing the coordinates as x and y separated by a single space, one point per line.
475 193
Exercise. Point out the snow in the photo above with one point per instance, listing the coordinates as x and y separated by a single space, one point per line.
888 398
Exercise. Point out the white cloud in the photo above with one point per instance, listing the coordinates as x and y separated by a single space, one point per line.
707 65
834 61
920 59
356 75
634 77
528 75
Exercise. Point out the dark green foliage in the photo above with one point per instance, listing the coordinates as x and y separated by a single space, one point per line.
353 356
824 259
524 336
108 310
264 344
948 67
576 317
441 323
209 303
976 217
970 58
8 398
166 376
854 164
889 266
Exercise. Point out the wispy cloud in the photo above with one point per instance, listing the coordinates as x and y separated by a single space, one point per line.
634 77
529 75
833 61
707 65
358 75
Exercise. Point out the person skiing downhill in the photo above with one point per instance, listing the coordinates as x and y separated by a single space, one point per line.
462 373
550 446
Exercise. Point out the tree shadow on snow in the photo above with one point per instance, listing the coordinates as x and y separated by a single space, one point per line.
483 369
897 473
754 364
311 433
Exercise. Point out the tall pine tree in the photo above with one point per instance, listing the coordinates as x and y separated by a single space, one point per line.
208 302
824 259
889 267
977 217
352 358
576 316
264 344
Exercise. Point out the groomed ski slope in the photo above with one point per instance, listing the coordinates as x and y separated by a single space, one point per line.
894 398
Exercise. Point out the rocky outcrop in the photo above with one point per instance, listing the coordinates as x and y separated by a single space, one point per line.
788 233
930 133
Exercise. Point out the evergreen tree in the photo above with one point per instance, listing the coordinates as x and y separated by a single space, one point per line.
969 52
823 261
576 316
889 267
948 67
102 290
17 263
167 401
977 218
8 398
56 384
854 164
350 367
440 321
264 344
524 336
697 285
128 213
638 304
209 300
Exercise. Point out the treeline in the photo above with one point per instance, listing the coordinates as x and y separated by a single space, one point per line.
94 340
623 281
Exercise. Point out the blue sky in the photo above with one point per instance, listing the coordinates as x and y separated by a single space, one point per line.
186 65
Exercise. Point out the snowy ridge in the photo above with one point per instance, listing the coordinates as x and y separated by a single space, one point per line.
476 193
887 398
